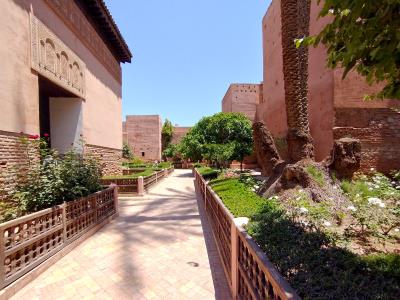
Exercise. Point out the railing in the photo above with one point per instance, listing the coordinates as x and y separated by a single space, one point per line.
28 241
249 272
137 185
125 185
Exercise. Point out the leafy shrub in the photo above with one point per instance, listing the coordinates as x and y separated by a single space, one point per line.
127 151
198 165
315 267
376 201
57 179
209 173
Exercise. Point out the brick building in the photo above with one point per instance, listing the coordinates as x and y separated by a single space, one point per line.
336 106
60 75
143 134
244 98
179 133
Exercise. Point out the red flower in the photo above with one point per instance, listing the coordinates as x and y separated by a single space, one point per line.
33 137
46 135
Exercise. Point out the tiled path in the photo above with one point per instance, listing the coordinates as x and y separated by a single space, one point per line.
159 248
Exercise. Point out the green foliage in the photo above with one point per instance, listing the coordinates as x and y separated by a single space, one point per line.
316 174
208 173
220 138
137 163
57 179
308 256
166 134
364 36
220 154
315 267
170 151
237 196
376 202
127 151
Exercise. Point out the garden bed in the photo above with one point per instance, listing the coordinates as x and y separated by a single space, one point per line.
307 244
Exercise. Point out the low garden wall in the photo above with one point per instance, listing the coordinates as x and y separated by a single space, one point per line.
29 241
137 185
249 272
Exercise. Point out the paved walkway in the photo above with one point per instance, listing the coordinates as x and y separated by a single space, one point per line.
159 248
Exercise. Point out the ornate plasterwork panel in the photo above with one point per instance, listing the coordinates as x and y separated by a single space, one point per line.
54 60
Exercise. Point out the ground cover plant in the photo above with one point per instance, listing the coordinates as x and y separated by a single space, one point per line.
138 163
208 172
326 250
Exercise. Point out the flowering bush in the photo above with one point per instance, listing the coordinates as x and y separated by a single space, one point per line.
54 179
376 204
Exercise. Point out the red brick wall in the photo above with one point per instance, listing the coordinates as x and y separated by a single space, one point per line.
110 159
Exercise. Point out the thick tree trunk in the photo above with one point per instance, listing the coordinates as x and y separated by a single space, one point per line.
295 16
267 154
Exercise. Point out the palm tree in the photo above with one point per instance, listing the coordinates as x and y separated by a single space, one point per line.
295 16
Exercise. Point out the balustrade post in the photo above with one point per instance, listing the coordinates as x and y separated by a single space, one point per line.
2 258
140 186
234 260
64 221
116 198
205 195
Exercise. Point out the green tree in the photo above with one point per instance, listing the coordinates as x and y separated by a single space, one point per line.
171 151
220 138
166 134
127 151
364 35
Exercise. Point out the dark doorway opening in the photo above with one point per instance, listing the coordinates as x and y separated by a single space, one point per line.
48 89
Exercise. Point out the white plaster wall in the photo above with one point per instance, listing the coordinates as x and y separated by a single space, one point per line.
66 124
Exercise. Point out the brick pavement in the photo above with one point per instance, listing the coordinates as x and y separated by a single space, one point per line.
159 248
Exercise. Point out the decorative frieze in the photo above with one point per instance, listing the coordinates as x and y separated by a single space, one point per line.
54 60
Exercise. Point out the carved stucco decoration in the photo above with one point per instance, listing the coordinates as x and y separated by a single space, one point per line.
54 60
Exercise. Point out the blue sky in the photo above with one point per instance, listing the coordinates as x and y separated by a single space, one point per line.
186 53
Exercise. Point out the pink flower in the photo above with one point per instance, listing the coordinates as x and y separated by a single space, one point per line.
46 135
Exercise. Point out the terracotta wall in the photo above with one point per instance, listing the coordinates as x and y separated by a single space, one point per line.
144 136
179 133
102 109
336 106
272 110
242 97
